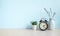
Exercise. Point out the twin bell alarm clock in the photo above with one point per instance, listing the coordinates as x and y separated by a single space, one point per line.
43 24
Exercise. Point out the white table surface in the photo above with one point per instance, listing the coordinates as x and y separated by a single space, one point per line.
27 32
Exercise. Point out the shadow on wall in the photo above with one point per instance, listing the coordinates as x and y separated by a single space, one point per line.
29 26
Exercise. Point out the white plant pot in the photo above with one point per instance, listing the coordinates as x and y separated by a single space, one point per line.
52 24
34 27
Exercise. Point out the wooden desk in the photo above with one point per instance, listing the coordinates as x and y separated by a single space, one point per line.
27 32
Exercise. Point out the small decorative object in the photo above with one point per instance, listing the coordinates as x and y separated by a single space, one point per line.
51 19
52 23
43 25
34 25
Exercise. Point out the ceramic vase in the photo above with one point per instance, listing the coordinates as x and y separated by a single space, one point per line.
52 23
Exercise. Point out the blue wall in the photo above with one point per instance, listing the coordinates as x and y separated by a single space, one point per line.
19 13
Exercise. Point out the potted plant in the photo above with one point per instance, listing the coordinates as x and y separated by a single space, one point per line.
34 25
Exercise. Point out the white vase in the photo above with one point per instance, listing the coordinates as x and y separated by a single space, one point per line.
52 24
34 27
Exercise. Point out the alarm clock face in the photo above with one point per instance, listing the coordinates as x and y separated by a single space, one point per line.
43 26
